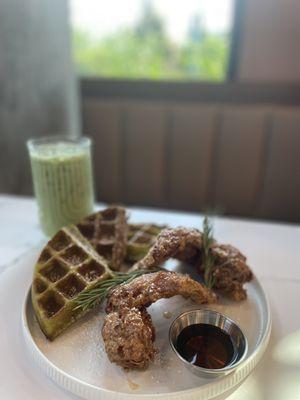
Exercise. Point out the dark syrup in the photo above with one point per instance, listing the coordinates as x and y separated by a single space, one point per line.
206 346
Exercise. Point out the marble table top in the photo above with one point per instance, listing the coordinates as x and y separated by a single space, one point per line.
273 252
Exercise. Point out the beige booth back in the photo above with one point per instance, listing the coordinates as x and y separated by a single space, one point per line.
241 159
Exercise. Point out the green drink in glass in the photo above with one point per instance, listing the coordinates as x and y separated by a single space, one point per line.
62 179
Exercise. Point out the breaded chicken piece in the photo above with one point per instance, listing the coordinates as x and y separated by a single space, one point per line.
181 243
230 270
128 336
128 332
148 288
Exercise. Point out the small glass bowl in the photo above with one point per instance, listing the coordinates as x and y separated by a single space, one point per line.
221 321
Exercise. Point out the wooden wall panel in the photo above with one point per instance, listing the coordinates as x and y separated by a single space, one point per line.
102 122
144 133
280 196
238 159
191 143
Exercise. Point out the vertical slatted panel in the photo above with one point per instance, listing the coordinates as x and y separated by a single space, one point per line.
281 191
101 121
178 155
190 159
144 150
238 159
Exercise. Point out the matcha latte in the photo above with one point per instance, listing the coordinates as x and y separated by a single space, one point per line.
62 178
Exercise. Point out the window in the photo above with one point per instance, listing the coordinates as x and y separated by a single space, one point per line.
152 39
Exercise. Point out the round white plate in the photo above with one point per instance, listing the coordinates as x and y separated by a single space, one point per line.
77 361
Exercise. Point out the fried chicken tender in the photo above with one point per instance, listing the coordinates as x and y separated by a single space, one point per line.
230 271
128 332
128 336
148 288
181 243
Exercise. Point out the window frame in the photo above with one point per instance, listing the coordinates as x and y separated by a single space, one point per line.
228 92
236 38
198 91
236 32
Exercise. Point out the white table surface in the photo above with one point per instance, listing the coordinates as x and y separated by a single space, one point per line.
273 252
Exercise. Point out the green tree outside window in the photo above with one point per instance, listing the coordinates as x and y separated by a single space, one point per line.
145 51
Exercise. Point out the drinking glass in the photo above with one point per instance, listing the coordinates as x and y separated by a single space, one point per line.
62 179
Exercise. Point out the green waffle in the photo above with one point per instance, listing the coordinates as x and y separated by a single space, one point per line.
106 231
67 266
78 257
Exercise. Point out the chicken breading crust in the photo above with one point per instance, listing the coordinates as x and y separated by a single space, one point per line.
230 270
128 332
182 243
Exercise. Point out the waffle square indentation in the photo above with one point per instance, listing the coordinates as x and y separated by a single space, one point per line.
87 230
51 303
39 285
74 255
91 271
104 248
54 271
44 256
70 286
109 214
60 241
107 229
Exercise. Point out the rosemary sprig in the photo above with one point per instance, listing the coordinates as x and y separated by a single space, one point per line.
96 295
208 259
